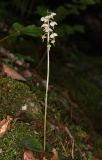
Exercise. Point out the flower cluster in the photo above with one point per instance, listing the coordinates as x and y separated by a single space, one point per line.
48 28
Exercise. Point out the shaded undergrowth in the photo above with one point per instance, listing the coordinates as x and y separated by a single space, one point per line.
74 102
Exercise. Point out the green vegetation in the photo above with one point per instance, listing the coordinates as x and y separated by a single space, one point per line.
11 144
14 95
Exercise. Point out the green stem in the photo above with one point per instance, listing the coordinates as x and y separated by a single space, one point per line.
46 95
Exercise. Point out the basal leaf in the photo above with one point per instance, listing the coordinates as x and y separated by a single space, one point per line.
17 27
32 30
32 143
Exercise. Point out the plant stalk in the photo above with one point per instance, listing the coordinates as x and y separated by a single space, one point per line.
47 86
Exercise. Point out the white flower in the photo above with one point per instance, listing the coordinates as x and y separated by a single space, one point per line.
53 41
42 19
53 35
43 37
45 25
47 29
24 108
45 19
53 23
53 14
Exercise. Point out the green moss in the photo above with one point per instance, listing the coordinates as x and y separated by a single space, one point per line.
13 95
11 143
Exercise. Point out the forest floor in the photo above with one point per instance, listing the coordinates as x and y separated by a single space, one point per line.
74 129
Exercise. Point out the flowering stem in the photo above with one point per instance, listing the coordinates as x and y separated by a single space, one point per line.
47 85
48 27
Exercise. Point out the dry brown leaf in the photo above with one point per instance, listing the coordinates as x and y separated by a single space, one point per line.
28 155
12 73
4 126
55 154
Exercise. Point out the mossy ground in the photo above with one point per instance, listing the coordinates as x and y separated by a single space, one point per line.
80 108
11 144
13 95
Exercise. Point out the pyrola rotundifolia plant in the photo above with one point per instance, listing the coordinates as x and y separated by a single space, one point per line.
49 34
